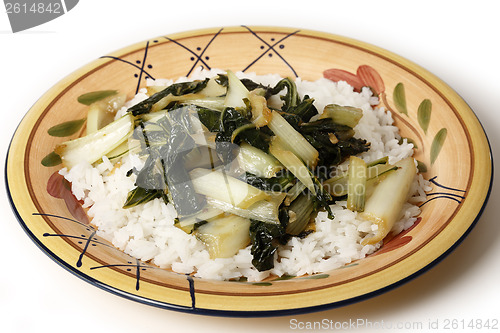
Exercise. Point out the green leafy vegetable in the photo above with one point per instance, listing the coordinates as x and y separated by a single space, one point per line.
291 99
292 103
299 146
222 79
167 141
219 185
280 183
176 89
334 142
209 118
140 195
227 144
265 238
262 178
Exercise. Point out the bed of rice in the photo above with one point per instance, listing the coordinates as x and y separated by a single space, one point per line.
147 232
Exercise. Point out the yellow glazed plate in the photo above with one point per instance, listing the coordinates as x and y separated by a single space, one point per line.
451 147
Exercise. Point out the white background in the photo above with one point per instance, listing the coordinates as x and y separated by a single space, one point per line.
456 40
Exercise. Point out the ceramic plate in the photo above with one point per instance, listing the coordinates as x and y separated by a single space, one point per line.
451 147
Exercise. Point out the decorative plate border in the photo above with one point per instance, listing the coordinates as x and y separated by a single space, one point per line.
193 308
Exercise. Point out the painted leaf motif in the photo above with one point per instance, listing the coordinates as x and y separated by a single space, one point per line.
399 98
371 78
58 187
424 114
342 75
316 277
51 160
55 186
67 128
392 242
95 96
285 277
437 144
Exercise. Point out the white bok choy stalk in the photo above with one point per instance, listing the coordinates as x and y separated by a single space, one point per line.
94 146
238 96
376 170
102 112
294 164
237 93
224 236
342 115
300 146
206 213
257 162
221 186
384 206
263 210
356 184
301 213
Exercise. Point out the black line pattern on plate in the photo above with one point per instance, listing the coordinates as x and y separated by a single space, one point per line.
191 291
197 58
89 240
92 240
138 267
447 194
139 64
199 54
271 50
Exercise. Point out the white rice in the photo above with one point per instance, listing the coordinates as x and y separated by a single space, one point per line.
147 232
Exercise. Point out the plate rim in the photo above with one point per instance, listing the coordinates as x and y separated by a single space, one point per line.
251 313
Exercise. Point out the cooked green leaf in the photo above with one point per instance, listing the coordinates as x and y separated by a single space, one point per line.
176 89
209 118
265 238
140 195
235 128
166 141
280 183
291 99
